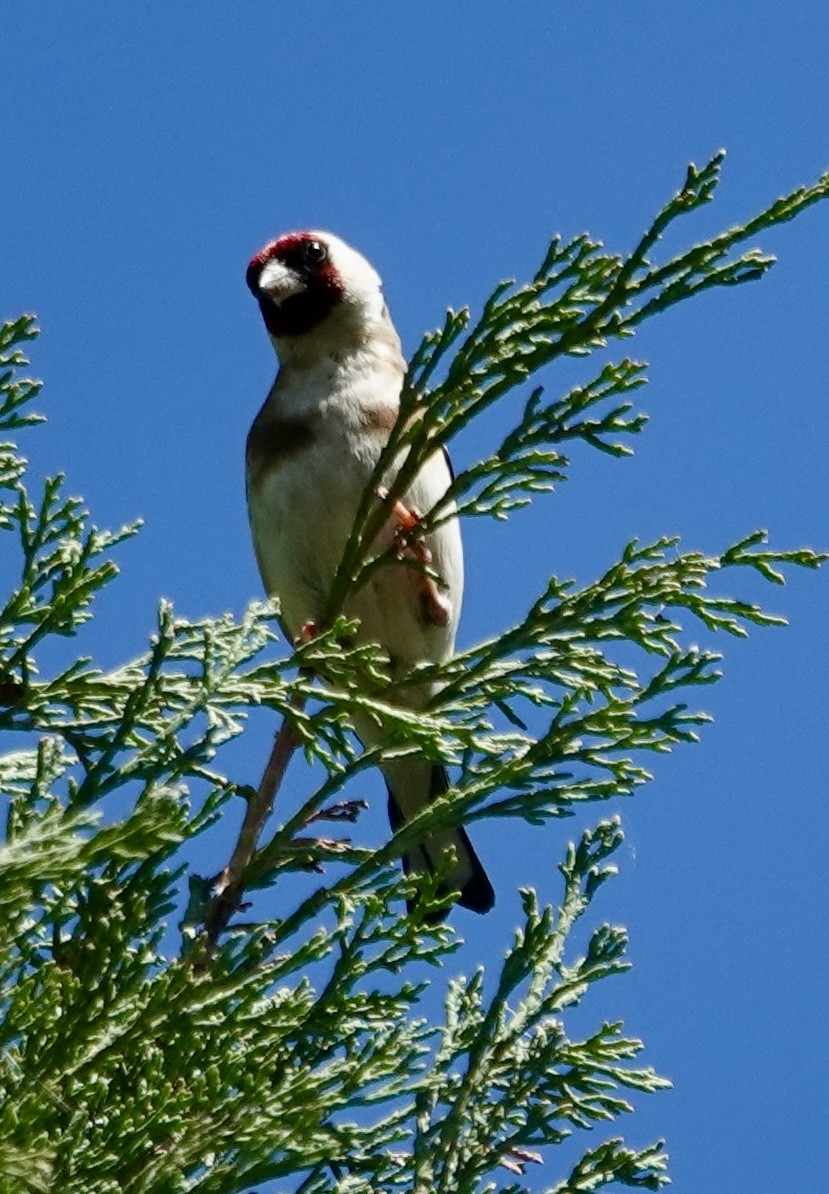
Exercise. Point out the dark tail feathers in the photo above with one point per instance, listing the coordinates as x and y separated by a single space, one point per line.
477 893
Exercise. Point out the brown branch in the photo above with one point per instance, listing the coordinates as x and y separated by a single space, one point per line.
229 886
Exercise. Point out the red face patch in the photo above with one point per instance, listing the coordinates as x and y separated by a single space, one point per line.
307 256
294 249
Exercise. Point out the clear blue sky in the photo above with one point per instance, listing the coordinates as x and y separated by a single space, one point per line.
151 148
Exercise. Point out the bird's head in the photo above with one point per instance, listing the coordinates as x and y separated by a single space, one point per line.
309 281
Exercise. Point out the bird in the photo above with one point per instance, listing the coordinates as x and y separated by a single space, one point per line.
310 454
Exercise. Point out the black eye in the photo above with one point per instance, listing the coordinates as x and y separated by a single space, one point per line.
315 252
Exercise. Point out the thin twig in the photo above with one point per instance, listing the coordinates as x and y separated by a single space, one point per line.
229 885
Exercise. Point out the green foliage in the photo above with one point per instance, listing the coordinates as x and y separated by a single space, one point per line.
296 1050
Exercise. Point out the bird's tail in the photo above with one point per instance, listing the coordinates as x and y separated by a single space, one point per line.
468 877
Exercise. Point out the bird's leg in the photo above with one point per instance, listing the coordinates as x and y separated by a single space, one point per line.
310 629
436 608
408 517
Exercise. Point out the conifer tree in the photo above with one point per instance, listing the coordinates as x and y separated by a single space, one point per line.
142 1058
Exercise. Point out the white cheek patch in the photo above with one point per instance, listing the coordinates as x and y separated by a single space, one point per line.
278 281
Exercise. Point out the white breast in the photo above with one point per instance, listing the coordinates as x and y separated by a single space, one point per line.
301 515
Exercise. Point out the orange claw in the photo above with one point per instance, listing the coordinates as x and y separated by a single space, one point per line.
309 630
434 605
407 518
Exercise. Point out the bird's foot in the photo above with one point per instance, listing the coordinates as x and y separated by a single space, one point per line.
407 517
435 606
310 630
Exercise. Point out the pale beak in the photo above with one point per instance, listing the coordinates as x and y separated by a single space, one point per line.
279 282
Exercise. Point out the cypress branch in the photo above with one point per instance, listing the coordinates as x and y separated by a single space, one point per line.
298 1050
